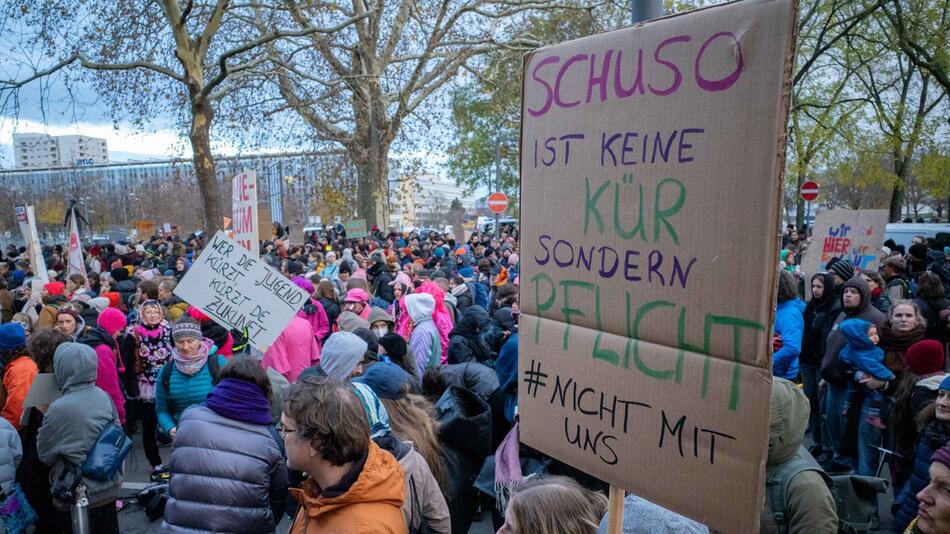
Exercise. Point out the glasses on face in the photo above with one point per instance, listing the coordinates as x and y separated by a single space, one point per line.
282 428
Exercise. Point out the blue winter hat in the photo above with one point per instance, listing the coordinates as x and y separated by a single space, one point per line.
440 253
946 383
467 272
386 379
12 336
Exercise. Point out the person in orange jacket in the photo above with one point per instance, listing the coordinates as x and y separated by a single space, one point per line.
19 370
354 486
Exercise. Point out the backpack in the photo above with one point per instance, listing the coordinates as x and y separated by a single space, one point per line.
855 496
479 293
213 368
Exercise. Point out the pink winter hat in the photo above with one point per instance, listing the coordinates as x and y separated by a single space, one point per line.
360 274
303 283
111 320
356 295
402 278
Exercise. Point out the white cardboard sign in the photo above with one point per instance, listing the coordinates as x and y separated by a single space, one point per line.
239 291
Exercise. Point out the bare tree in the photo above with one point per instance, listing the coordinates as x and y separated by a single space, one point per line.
153 59
921 28
357 88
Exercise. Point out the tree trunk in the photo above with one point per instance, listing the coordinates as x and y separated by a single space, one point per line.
372 169
200 135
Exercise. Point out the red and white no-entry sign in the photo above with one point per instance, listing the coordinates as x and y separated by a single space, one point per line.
809 191
497 202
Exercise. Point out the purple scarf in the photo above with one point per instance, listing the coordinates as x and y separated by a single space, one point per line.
241 401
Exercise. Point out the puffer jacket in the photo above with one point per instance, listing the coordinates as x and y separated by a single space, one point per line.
225 475
182 391
934 436
11 452
809 505
465 435
832 368
73 423
18 376
465 343
477 377
789 323
107 374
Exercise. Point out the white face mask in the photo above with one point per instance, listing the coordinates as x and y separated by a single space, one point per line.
381 331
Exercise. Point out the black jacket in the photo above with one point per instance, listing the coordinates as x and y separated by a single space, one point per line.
819 315
465 340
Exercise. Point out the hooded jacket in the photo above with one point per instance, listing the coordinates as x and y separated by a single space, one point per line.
860 352
819 317
294 350
465 341
789 323
809 506
313 313
424 340
371 505
934 436
73 423
832 369
107 374
228 475
18 376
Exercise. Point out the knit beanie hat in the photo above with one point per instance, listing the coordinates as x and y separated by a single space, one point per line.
842 268
945 384
341 353
186 327
12 336
55 288
942 455
114 298
394 344
119 274
111 320
349 321
99 304
304 284
924 357
386 379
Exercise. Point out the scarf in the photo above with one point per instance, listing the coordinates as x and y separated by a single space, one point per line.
241 401
189 365
892 340
936 434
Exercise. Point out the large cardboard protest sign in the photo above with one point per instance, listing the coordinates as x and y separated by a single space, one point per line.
26 219
238 290
244 211
855 235
651 166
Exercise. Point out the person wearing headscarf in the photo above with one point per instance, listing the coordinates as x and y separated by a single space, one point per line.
153 349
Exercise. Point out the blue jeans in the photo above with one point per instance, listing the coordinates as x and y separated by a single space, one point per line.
868 438
835 422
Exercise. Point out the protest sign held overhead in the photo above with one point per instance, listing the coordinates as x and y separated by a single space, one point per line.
239 291
244 211
855 235
644 357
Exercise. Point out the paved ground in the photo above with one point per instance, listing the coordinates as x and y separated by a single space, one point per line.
132 519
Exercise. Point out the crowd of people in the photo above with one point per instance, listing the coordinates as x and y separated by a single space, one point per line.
389 402
869 348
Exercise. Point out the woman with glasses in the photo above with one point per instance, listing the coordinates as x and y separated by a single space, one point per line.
153 349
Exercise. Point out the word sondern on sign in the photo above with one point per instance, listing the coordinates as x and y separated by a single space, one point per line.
240 291
646 319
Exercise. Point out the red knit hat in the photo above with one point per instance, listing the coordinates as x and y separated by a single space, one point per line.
924 357
55 288
114 298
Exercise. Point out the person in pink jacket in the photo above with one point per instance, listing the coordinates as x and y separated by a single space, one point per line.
440 316
294 350
313 312
102 338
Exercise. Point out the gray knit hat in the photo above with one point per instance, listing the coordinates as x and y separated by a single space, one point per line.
843 268
186 327
341 353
